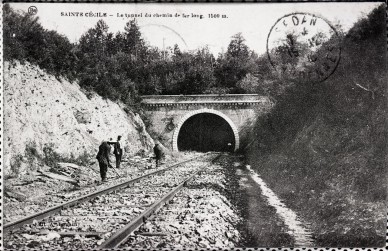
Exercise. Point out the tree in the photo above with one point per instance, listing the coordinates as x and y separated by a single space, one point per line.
235 64
190 73
237 47
249 84
95 40
177 51
95 65
134 44
25 39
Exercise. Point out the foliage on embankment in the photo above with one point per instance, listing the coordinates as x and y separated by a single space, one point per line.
323 148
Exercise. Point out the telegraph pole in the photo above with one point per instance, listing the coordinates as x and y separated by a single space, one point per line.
164 52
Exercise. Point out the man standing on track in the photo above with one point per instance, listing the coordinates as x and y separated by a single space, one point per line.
103 159
118 151
159 153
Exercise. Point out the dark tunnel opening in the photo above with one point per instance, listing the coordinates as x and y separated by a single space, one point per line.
206 132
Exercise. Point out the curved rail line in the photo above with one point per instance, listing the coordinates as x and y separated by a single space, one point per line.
52 210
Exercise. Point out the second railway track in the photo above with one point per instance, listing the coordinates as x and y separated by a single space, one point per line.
105 218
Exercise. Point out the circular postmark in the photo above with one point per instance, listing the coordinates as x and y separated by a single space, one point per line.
32 10
303 47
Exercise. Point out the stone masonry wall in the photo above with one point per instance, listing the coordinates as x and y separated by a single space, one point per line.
166 113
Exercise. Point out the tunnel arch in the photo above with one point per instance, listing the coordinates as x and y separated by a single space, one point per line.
205 110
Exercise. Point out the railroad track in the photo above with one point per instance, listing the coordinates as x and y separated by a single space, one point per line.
103 219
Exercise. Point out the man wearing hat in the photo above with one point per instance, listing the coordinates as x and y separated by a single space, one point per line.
117 151
103 159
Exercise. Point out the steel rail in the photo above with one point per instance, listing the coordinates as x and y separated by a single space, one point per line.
123 234
52 210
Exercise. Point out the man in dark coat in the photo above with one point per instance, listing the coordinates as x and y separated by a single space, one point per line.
159 153
103 159
117 151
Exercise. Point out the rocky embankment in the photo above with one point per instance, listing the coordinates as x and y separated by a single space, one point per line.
46 116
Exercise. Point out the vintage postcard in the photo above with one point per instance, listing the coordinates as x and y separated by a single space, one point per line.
194 126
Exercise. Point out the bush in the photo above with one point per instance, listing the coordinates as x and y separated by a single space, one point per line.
16 164
50 158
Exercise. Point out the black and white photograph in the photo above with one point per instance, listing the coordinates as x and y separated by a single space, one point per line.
194 125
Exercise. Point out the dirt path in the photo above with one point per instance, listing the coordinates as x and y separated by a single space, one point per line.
261 225
297 228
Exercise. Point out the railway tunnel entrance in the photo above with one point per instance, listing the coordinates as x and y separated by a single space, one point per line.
206 132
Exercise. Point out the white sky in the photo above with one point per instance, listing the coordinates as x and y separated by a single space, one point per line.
253 20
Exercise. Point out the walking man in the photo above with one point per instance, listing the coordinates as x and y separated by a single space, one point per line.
103 159
159 153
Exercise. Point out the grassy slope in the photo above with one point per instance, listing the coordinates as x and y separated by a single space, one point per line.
325 146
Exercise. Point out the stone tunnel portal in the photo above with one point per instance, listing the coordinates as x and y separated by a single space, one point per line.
206 132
